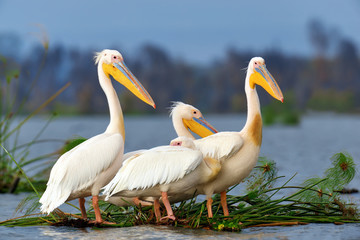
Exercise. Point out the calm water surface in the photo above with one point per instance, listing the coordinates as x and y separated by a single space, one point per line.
305 149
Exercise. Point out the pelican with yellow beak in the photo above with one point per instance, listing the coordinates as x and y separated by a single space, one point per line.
85 169
186 119
237 151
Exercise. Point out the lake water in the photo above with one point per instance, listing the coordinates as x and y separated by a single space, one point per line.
304 149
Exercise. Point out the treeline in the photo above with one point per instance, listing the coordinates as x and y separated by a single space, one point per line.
326 82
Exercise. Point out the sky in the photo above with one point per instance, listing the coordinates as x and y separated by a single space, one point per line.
197 31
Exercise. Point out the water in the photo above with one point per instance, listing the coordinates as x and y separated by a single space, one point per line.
304 149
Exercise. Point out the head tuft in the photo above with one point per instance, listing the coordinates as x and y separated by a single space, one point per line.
176 105
97 57
106 54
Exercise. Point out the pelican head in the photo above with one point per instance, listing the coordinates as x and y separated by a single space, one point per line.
184 142
192 118
261 76
112 63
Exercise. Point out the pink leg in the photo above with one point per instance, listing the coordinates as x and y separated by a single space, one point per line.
224 203
157 210
209 208
137 202
98 218
166 202
82 208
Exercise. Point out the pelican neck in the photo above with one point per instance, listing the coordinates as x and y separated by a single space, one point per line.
116 124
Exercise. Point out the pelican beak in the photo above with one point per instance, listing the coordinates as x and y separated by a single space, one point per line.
122 74
262 77
200 126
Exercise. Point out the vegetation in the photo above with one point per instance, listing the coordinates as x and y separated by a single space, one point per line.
12 108
316 201
286 113
332 100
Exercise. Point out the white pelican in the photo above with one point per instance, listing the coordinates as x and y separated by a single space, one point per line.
163 171
237 151
84 170
185 117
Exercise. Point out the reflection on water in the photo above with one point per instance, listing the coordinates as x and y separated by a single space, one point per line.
142 232
310 231
305 149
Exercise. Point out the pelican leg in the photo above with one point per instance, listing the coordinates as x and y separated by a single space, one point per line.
166 202
224 203
209 208
157 210
82 208
137 202
98 218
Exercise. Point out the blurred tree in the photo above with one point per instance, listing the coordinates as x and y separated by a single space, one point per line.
347 69
321 82
156 73
319 38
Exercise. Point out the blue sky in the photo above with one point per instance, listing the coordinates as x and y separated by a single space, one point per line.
197 31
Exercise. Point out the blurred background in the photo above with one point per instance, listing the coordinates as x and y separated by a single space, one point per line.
191 51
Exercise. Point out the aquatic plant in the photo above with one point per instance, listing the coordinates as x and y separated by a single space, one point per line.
327 188
12 107
260 206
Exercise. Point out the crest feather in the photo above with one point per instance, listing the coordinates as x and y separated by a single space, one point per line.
97 57
174 106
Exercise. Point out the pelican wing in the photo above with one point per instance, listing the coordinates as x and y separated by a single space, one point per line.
130 154
161 165
220 146
77 169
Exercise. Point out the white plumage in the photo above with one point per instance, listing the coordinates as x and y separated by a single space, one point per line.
220 146
69 176
157 166
162 172
84 170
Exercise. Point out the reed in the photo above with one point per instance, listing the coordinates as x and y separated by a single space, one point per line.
12 119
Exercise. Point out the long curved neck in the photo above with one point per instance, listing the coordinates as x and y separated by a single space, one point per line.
116 124
179 127
253 126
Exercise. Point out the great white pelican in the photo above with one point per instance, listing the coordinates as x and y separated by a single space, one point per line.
237 151
84 170
185 119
